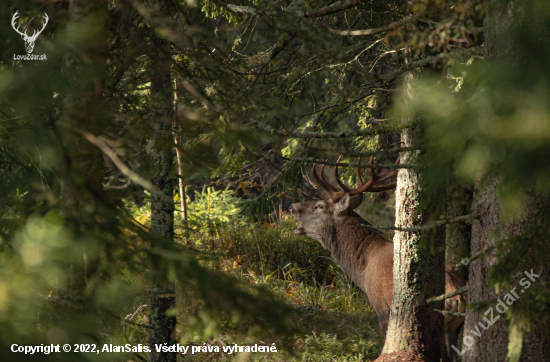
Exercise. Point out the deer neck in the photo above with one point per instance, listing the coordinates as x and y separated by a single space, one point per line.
353 244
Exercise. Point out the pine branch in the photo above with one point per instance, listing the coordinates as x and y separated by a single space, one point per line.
448 295
463 218
341 134
428 60
340 164
381 152
382 29
282 42
331 9
466 261
250 10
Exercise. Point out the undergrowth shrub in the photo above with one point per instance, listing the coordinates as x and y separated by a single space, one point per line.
336 321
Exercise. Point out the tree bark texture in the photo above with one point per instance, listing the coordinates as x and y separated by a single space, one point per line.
418 272
159 149
458 235
482 341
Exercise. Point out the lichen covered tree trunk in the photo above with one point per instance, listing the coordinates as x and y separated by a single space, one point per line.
418 272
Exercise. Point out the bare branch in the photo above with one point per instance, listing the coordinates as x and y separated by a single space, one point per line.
339 164
118 163
381 152
341 134
464 218
429 60
450 314
334 8
410 19
466 261
448 295
250 10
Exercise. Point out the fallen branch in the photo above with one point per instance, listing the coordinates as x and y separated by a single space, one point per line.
448 295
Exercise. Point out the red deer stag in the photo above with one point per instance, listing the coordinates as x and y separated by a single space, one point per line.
363 252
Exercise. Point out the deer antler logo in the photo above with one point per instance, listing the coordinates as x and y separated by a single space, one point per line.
29 40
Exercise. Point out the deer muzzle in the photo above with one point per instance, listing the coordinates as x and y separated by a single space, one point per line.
299 230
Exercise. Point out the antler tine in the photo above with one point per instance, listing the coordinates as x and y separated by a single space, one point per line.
365 187
358 171
359 179
337 177
370 186
372 173
321 180
383 187
389 174
326 182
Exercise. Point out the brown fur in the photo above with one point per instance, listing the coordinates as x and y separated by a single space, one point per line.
366 256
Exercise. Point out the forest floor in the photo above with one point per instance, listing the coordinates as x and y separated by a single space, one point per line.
336 323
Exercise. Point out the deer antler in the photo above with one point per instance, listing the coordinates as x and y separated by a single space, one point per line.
370 186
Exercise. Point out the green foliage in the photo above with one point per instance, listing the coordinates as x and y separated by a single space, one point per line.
212 210
332 314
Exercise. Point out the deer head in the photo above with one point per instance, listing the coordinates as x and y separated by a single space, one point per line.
317 219
29 40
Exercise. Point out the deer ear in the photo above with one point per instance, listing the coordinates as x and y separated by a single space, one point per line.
341 207
355 201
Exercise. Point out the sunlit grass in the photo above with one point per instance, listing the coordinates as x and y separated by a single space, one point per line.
337 322
341 324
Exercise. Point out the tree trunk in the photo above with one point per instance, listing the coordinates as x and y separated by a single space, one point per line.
178 156
160 148
458 235
418 273
500 342
81 169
